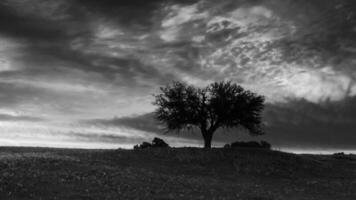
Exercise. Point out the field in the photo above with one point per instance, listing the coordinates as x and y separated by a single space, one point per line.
177 173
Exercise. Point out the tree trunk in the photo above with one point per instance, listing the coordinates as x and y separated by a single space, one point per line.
208 136
207 144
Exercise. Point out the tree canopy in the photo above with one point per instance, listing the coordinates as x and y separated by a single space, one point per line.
219 105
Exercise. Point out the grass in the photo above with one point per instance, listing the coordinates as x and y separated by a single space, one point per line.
176 173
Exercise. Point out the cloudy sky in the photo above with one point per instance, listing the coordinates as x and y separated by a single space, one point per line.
81 73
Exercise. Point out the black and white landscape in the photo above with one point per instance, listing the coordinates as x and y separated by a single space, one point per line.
86 74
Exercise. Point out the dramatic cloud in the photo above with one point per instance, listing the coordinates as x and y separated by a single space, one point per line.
73 60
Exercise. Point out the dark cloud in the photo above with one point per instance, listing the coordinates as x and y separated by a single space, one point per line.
323 28
110 138
118 70
49 44
145 122
302 123
137 14
5 117
35 25
14 95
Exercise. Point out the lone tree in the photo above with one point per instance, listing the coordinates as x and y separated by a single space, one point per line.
219 105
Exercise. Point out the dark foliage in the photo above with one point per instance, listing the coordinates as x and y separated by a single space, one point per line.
265 145
219 105
339 154
251 144
343 156
156 142
144 145
227 146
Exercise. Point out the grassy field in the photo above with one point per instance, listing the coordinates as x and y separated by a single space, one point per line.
186 173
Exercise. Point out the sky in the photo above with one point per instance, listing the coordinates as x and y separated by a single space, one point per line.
81 73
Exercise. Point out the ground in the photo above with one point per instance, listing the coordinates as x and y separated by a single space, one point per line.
182 173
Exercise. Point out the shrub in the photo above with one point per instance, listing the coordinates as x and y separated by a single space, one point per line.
227 146
250 144
339 154
265 145
156 142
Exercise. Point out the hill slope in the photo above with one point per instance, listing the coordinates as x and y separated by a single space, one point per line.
187 173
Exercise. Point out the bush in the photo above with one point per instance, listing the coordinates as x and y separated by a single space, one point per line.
266 145
144 145
156 142
227 146
250 144
339 154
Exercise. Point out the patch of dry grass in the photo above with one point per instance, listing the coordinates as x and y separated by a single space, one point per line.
184 173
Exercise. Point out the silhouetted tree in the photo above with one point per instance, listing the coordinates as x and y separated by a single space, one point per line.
219 105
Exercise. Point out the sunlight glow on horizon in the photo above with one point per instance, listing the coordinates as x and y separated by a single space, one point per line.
63 135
